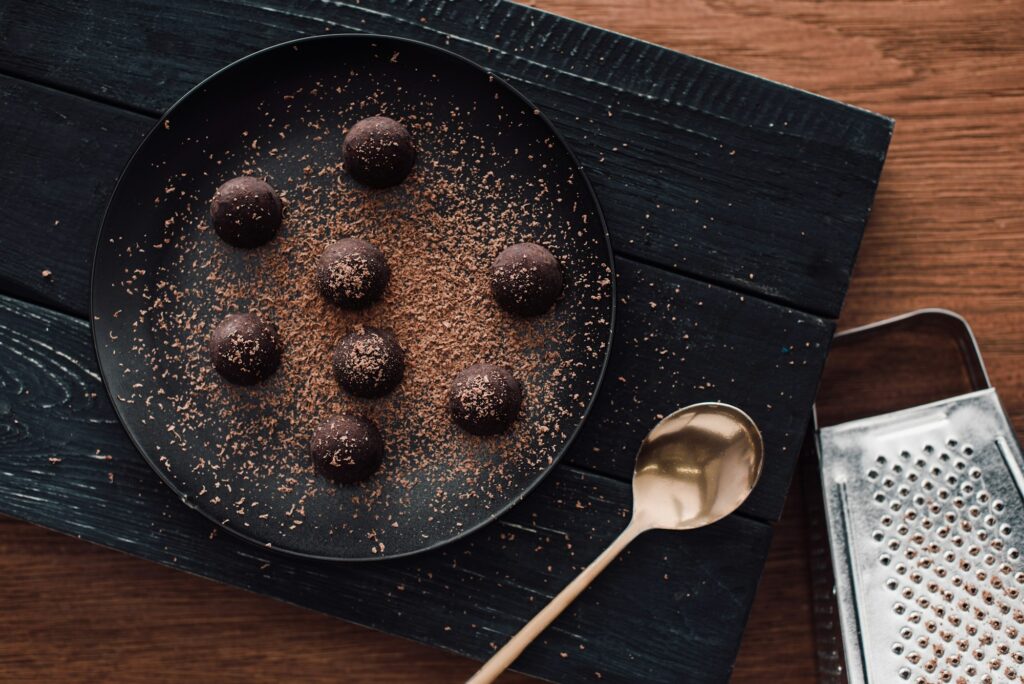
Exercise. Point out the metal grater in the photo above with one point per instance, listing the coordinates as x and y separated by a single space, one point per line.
925 521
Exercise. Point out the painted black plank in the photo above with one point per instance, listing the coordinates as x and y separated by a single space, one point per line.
67 465
61 158
697 343
720 175
678 342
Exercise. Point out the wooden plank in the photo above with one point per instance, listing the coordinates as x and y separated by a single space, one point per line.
678 342
697 343
69 466
717 174
61 158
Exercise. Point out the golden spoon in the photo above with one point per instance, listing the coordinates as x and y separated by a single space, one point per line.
695 467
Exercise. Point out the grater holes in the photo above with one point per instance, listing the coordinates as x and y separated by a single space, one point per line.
885 559
1005 530
872 474
897 648
951 443
881 459
960 464
968 450
1013 554
877 536
929 449
904 673
998 506
975 473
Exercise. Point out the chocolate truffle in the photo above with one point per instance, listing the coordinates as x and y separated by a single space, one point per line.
526 279
378 152
245 349
346 448
485 399
352 273
369 363
246 212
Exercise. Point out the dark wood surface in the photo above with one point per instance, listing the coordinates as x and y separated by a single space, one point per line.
649 24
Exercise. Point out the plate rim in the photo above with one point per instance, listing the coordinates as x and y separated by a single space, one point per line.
494 515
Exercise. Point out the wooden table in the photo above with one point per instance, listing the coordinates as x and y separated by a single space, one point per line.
946 231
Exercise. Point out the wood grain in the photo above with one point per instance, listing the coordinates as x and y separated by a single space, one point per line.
698 343
69 466
701 169
947 230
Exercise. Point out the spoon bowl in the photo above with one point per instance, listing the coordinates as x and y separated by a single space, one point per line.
696 466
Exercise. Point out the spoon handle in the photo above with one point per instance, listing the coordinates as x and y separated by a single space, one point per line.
504 657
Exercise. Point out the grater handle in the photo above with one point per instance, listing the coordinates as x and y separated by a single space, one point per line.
941 319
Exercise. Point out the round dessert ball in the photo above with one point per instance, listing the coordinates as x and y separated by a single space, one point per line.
526 279
346 448
369 363
485 399
352 273
246 212
378 152
245 349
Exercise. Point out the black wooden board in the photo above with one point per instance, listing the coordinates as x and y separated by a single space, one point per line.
720 175
68 465
736 207
699 343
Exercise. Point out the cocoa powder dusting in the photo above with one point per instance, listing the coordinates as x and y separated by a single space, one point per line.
439 231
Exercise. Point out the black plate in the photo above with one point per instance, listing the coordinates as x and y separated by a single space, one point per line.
491 171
